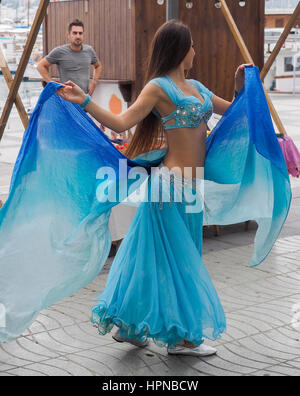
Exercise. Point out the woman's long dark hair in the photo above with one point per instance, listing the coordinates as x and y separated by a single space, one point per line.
169 47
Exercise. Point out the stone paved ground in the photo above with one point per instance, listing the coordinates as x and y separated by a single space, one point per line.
261 304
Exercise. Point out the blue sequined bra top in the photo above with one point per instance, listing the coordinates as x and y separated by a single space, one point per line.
190 111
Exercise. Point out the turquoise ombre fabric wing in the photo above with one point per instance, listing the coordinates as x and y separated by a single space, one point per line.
54 236
245 171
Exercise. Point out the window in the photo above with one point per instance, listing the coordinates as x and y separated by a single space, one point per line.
298 64
288 64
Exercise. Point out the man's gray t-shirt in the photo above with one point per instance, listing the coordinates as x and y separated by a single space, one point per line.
74 65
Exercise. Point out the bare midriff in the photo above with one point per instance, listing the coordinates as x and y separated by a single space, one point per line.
186 149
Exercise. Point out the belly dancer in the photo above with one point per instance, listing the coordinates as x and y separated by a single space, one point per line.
54 226
158 286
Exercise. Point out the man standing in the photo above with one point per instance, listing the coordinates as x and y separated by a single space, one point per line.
73 60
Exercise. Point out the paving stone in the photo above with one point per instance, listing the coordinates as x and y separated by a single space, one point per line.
105 362
5 367
40 369
46 340
253 356
267 373
265 347
66 367
6 374
282 370
245 326
89 339
209 366
92 334
279 343
175 366
31 345
64 338
13 353
26 372
225 361
44 323
267 316
145 372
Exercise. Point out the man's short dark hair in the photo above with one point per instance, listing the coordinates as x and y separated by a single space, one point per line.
77 22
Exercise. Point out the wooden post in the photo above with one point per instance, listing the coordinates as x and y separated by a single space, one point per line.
23 63
280 42
240 42
8 78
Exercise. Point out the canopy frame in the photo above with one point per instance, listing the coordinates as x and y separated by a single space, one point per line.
14 84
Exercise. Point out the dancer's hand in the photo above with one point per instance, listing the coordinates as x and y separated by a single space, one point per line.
72 93
240 77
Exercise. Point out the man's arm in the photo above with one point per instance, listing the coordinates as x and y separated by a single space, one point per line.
97 74
43 69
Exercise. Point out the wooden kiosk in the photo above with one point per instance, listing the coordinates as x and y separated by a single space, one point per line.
121 32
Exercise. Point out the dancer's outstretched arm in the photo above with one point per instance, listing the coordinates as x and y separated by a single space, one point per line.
221 105
144 104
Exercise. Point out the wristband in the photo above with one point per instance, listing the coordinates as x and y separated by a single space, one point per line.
86 102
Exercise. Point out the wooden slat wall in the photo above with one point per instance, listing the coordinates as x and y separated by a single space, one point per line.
148 16
121 32
280 20
217 55
108 29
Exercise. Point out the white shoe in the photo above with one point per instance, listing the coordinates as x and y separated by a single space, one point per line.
201 351
141 344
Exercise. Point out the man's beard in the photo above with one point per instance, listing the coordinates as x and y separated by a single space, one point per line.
77 43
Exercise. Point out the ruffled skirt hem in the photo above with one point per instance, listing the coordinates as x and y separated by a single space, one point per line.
106 318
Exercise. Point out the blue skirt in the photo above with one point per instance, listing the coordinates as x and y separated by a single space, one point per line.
158 286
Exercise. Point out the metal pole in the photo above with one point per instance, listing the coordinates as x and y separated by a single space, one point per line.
28 7
172 9
294 74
